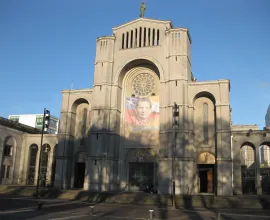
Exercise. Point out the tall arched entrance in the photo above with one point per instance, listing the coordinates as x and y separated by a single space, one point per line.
206 172
140 124
79 173
142 169
248 168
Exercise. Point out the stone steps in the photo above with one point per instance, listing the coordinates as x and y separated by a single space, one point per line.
195 201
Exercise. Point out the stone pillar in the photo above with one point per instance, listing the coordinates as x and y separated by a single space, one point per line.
125 40
258 176
49 167
223 142
37 163
151 37
237 180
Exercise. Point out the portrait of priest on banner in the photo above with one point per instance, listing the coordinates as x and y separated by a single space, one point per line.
142 120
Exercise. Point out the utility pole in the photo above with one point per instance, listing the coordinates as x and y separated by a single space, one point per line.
45 126
175 123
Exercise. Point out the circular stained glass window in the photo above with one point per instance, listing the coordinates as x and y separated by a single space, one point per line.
143 84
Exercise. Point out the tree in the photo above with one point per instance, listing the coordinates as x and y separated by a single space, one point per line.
265 164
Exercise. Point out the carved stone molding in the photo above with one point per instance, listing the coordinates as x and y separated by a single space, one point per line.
206 158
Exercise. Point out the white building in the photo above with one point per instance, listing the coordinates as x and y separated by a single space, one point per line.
35 121
267 117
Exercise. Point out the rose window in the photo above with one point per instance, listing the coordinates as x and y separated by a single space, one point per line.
143 84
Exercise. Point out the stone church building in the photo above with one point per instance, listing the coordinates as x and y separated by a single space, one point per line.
125 134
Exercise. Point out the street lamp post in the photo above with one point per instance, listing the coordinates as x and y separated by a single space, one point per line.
45 126
175 123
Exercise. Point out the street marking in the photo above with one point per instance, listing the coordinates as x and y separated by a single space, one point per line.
243 215
117 217
16 211
33 208
69 217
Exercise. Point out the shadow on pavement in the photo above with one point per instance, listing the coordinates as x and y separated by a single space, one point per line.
44 211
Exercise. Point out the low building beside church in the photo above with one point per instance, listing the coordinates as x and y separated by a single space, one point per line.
124 133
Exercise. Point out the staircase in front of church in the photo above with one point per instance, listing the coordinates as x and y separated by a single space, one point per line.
141 198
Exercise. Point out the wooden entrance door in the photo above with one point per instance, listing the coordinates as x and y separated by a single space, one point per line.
206 178
210 180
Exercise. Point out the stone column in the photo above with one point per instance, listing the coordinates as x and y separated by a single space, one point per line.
223 141
258 176
37 163
49 167
237 180
151 37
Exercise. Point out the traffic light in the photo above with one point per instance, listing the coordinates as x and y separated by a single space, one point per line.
46 119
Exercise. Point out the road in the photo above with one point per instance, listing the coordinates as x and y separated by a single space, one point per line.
26 208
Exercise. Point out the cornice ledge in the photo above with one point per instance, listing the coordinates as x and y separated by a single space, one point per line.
90 90
145 20
212 82
105 38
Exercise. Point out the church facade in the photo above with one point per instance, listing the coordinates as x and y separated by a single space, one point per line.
147 122
147 60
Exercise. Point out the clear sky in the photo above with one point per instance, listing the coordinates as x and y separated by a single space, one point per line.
44 45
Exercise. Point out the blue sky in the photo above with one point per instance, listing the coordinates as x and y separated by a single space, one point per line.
44 45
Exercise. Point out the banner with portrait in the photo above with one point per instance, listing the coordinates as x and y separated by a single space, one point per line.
142 121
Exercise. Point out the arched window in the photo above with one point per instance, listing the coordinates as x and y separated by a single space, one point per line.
127 40
136 38
123 40
140 37
131 39
32 164
54 164
84 119
44 164
149 37
154 37
158 43
205 123
8 150
144 37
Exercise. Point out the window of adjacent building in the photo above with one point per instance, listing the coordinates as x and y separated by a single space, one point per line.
53 123
32 164
205 123
14 118
39 121
8 150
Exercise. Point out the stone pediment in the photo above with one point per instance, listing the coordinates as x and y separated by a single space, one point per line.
145 22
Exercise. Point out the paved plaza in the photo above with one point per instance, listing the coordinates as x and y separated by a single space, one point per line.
12 208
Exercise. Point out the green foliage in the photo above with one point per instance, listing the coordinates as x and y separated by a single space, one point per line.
264 164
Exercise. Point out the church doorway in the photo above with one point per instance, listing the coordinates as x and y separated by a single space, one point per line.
141 175
206 170
79 171
79 175
206 180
